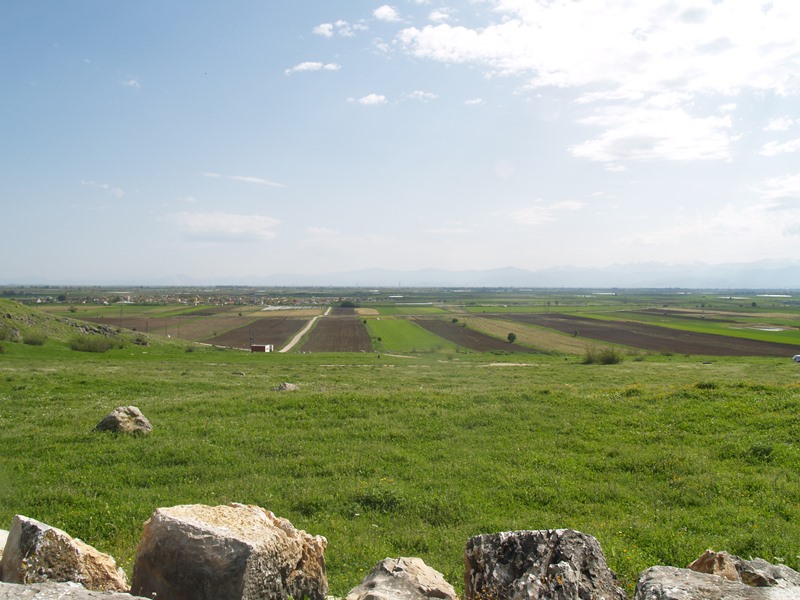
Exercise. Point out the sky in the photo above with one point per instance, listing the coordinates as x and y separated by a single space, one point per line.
143 141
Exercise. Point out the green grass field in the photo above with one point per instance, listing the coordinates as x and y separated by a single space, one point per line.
398 335
659 458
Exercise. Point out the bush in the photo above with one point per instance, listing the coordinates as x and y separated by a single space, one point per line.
602 356
34 338
93 343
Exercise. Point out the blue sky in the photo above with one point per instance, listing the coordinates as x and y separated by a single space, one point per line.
144 140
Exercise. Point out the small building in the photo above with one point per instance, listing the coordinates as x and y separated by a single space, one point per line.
261 348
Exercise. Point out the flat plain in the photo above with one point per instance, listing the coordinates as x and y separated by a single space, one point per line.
660 456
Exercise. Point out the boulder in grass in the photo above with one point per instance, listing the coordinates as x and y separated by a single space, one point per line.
37 553
756 572
287 387
57 591
228 552
560 564
125 419
403 579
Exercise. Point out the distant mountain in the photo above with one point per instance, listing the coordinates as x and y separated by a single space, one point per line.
765 275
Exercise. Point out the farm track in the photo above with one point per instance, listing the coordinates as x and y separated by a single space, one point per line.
269 330
653 337
338 334
469 338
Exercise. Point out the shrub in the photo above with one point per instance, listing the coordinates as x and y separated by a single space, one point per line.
34 338
92 343
602 356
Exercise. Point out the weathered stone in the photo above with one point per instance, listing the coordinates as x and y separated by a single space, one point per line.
3 540
671 583
37 553
403 579
287 387
125 419
756 572
558 564
56 591
196 552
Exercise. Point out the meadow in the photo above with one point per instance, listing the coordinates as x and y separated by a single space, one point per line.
660 457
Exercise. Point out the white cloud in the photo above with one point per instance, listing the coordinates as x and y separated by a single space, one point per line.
109 189
386 13
781 124
439 16
245 179
372 100
631 56
224 227
309 66
132 83
656 129
324 29
475 102
422 96
775 148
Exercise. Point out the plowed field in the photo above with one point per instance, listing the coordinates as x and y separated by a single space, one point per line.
468 338
654 338
271 330
338 334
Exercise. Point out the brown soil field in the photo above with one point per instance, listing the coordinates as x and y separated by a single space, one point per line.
269 330
654 338
339 311
190 327
364 312
338 335
468 338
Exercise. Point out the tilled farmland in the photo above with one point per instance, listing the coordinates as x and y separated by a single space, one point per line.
653 337
338 334
469 338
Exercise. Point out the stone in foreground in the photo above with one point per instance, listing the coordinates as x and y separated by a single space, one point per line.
37 553
56 591
403 579
197 552
125 419
672 583
755 572
558 564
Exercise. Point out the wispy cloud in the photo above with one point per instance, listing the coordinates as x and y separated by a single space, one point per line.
245 179
222 227
775 148
422 96
109 189
539 213
132 83
776 188
781 124
370 100
310 66
340 27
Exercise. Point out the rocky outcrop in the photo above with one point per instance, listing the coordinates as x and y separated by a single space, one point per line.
125 419
56 591
224 552
526 565
287 387
36 553
403 579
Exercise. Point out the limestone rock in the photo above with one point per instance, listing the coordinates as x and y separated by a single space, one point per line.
403 579
672 583
756 572
56 591
288 387
197 552
125 419
37 553
558 564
